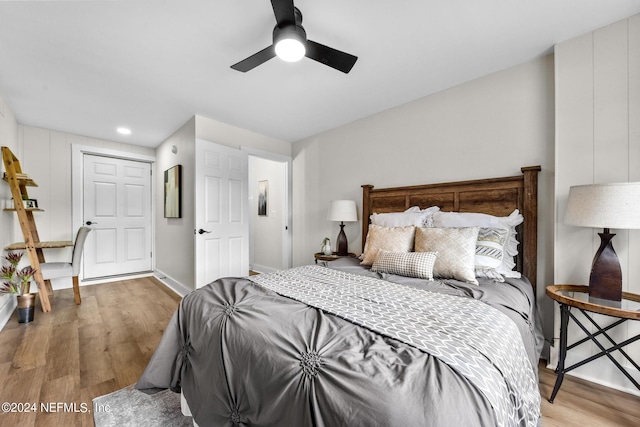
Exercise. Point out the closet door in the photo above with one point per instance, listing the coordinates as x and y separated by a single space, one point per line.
117 206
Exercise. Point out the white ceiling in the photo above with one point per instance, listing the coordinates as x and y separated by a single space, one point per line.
87 67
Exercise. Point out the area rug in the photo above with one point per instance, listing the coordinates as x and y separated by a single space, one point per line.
131 407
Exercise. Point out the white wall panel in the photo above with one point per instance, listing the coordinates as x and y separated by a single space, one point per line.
611 133
575 156
597 141
8 223
634 157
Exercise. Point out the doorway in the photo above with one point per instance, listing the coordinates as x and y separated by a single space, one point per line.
269 211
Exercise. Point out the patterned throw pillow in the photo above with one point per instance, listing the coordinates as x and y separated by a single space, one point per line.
393 239
472 219
409 264
456 249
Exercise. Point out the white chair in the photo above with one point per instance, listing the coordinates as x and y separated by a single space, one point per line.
56 270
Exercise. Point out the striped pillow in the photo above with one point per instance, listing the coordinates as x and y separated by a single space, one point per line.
490 252
409 264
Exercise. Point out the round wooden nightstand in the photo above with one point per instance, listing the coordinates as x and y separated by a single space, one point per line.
577 297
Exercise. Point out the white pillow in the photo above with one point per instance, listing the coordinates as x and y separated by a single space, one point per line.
470 219
412 216
456 249
393 239
409 264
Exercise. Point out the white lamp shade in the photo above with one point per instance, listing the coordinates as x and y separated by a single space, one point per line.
342 210
604 205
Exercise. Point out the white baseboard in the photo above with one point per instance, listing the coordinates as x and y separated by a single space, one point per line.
6 310
106 279
172 284
263 268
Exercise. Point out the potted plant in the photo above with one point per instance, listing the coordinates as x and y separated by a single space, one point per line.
326 246
18 281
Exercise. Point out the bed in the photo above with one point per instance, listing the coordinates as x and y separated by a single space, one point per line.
394 338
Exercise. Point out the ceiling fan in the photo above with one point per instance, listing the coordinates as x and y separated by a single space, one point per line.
290 43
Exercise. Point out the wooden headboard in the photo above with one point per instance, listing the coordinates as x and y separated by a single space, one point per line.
494 196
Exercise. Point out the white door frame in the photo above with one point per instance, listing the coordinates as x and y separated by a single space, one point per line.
287 236
77 172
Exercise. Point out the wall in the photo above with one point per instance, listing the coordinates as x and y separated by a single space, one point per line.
174 237
485 128
266 232
222 133
46 156
598 141
8 138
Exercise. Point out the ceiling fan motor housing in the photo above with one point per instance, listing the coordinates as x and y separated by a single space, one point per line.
289 32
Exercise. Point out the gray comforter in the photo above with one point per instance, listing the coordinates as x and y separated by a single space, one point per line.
245 355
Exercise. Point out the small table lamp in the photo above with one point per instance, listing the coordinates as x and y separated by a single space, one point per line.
342 210
605 206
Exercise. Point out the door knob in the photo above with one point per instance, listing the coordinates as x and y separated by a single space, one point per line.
201 231
89 222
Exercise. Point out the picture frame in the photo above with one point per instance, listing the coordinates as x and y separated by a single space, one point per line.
263 198
30 203
173 192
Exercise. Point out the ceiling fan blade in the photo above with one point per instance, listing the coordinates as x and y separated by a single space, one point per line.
256 59
326 55
284 12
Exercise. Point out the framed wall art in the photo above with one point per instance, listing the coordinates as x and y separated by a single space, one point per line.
263 198
172 192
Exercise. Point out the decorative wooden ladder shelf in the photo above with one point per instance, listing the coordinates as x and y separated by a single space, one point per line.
18 182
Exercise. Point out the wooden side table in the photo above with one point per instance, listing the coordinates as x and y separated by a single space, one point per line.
322 257
577 296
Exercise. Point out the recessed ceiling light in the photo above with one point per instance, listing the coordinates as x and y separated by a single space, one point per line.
124 131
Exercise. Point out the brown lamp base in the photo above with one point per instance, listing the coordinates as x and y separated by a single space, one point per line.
605 281
343 247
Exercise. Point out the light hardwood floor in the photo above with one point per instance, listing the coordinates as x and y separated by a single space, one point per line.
76 353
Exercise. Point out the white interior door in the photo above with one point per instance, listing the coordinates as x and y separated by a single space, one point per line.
117 206
222 225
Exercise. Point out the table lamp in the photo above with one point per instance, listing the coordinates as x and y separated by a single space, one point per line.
605 206
342 210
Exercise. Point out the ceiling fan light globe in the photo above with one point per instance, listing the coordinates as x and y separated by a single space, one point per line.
290 50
